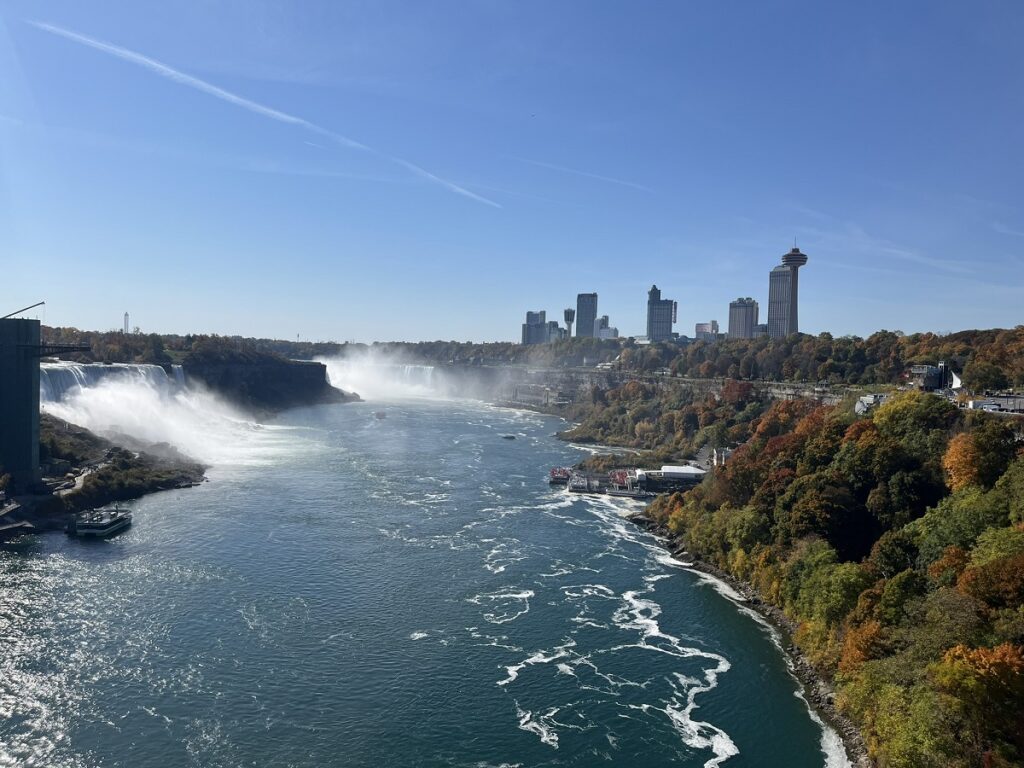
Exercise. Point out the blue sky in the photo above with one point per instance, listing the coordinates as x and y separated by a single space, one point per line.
382 170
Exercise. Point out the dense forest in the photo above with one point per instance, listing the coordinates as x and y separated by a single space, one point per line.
665 423
987 360
896 542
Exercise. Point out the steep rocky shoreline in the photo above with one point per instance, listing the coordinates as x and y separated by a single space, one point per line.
817 690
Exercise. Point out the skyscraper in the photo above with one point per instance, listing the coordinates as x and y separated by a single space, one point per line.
586 314
742 318
661 313
569 314
783 295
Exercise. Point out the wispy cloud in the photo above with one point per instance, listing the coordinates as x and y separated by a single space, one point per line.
584 174
255 107
1005 230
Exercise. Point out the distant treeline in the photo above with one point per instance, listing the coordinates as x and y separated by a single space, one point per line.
986 360
992 359
896 542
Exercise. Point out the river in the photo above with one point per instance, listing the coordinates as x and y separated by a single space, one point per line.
399 591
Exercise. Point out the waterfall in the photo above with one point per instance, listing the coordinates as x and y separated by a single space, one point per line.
60 381
150 406
375 378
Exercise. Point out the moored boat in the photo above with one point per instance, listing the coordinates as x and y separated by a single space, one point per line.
559 475
99 524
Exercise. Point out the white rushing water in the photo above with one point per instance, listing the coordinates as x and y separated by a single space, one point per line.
143 402
377 378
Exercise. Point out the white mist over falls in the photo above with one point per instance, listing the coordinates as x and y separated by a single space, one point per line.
145 403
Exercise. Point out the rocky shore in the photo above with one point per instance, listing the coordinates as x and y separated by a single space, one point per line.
86 471
817 690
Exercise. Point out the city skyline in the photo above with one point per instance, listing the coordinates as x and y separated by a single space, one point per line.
190 167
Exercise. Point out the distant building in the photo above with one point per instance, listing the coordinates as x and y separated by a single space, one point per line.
761 330
555 333
569 314
866 402
535 329
706 331
539 330
783 295
928 378
719 456
743 318
661 314
586 314
602 330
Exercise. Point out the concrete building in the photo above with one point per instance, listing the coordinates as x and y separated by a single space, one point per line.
783 295
539 330
19 401
535 329
743 318
555 333
603 330
586 314
661 314
761 330
706 331
569 314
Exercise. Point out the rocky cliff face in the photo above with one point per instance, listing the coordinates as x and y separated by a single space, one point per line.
267 384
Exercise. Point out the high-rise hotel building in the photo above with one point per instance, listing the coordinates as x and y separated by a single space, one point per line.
743 318
783 295
586 314
661 313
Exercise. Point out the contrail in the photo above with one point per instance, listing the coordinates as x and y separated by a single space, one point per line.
585 174
210 89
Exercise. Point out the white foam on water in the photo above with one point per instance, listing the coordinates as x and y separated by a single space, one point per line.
831 744
538 657
539 725
419 635
505 605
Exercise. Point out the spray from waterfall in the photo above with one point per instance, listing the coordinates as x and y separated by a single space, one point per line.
150 406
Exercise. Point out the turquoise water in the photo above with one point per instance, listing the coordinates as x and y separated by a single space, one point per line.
396 592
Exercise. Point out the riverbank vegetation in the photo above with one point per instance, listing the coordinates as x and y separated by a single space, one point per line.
665 423
896 543
115 473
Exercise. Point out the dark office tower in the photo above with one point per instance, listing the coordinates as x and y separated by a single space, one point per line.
535 329
586 313
661 313
742 318
570 315
783 295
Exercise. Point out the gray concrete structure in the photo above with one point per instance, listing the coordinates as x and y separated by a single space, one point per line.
19 401
586 314
783 295
743 318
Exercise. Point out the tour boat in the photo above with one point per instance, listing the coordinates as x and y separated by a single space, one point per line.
559 475
100 524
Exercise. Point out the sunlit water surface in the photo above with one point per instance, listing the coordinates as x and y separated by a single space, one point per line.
405 591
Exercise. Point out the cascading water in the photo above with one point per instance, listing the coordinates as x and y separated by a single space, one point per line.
59 381
379 379
145 403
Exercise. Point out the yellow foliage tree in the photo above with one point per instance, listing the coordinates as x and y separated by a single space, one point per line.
962 462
